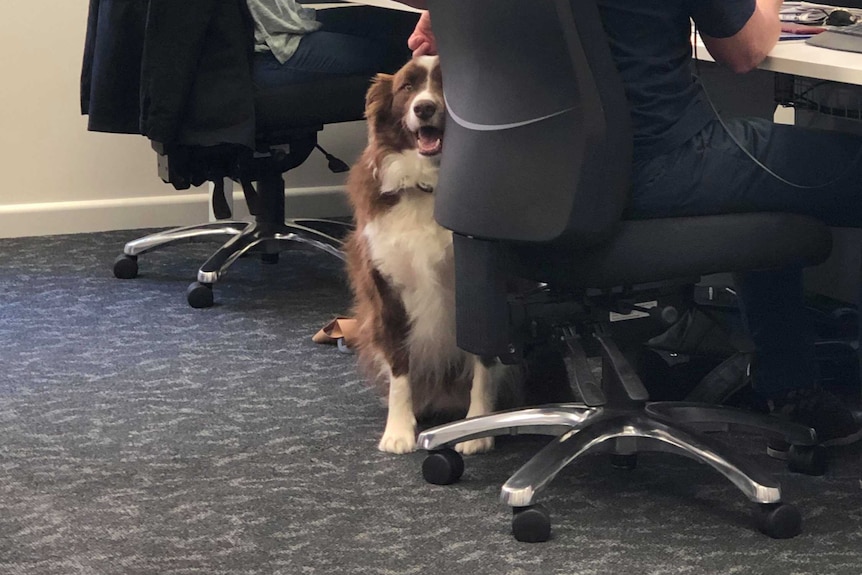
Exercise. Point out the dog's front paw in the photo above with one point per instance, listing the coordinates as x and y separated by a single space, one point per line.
475 446
401 441
395 174
427 178
425 187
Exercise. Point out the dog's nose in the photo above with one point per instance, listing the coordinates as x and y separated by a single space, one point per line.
424 109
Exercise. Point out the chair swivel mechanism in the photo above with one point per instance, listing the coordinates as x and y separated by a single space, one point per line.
288 120
533 185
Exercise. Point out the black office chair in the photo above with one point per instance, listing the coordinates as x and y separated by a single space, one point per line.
288 120
533 183
182 75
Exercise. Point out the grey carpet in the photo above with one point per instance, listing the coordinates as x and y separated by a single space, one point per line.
140 436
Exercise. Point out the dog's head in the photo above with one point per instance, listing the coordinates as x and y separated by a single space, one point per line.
406 110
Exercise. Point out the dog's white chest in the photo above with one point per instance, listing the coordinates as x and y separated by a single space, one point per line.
409 247
415 254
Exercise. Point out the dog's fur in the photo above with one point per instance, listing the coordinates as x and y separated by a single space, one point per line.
400 265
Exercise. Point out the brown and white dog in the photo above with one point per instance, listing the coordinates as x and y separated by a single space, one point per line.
401 269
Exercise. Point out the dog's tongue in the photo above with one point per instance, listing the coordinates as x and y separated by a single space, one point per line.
429 141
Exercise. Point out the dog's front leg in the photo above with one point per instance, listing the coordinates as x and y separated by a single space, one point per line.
400 433
482 394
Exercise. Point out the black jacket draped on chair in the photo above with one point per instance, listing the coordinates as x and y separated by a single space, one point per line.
174 71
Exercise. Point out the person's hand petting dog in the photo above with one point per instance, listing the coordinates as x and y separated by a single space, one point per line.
422 41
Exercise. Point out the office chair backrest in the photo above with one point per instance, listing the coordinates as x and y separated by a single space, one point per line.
538 138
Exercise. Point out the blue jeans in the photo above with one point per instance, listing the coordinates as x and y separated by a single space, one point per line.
351 41
709 174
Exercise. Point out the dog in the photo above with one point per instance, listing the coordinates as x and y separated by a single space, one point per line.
401 269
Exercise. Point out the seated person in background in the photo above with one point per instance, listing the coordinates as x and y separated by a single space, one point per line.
686 163
296 44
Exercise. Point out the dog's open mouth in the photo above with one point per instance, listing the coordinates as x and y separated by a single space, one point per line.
429 140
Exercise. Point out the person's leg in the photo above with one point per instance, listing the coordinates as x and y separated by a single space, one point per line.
388 28
351 41
773 311
710 174
369 22
322 54
784 370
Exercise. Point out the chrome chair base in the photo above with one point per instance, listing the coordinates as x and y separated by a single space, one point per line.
186 234
624 428
243 237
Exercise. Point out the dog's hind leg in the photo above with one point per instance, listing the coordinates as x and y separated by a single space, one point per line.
400 433
482 398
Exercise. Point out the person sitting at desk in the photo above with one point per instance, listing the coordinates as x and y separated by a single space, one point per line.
296 44
687 163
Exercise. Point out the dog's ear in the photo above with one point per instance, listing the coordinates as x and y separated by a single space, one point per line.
378 100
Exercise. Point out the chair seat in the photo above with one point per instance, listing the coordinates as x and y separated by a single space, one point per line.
651 250
327 101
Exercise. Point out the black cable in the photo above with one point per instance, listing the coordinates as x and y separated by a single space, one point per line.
336 165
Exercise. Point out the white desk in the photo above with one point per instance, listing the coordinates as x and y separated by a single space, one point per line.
799 59
387 4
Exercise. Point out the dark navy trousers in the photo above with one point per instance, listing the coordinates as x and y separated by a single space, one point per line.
352 40
710 174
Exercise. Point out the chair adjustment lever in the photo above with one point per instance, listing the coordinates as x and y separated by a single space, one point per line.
251 197
590 392
221 209
617 372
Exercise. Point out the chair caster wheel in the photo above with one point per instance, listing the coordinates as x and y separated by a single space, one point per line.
778 449
443 467
626 461
807 459
531 524
778 520
269 258
200 295
126 267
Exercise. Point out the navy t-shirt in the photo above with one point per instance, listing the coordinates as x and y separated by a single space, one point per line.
651 44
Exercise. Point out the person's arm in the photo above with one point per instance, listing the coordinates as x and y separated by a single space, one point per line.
745 50
422 40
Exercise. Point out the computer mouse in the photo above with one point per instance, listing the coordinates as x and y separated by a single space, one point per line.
840 18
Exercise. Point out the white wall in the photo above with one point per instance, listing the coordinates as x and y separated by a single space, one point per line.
59 178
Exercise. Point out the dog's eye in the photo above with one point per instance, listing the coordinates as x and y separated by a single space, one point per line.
407 87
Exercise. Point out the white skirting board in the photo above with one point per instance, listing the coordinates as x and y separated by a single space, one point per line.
180 209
